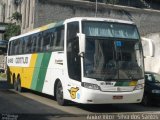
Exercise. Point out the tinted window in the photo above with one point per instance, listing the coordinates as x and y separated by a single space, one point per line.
40 42
46 40
49 40
57 39
9 48
21 46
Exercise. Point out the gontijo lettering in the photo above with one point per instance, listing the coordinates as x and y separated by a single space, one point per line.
22 60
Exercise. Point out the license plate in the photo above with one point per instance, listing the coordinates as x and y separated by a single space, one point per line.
117 97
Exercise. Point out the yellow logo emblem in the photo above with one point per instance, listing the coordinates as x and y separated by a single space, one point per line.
73 92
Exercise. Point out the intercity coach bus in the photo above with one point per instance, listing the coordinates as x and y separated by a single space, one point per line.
82 59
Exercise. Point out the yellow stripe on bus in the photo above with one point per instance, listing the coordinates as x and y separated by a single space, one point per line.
29 72
26 73
43 28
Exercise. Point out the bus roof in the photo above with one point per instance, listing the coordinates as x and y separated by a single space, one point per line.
56 24
98 19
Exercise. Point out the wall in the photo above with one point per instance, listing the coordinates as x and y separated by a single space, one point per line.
42 12
146 20
52 10
27 11
153 63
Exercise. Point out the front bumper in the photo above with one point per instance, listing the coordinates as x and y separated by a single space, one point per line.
89 96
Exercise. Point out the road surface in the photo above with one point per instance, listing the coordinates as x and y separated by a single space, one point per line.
30 105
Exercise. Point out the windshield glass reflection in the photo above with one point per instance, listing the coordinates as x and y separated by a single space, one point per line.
107 59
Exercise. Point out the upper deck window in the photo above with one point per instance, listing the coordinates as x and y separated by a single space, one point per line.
110 29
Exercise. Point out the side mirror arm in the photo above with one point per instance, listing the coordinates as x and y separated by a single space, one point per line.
82 44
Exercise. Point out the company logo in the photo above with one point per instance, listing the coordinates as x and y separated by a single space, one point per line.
73 92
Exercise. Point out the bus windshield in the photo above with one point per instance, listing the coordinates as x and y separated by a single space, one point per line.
113 57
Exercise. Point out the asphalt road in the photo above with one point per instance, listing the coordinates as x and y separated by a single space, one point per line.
30 105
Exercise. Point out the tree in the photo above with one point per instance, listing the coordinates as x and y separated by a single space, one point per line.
16 16
13 28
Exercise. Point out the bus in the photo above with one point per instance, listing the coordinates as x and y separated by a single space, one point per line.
82 59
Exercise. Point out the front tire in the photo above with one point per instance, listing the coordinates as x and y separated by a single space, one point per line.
59 94
19 88
15 85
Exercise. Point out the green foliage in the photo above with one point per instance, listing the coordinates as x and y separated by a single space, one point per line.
12 30
16 16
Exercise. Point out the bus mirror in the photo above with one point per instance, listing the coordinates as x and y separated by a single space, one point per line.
148 42
82 43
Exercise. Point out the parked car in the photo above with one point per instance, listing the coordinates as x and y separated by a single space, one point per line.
152 89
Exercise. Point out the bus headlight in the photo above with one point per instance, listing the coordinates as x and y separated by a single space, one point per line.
139 86
90 86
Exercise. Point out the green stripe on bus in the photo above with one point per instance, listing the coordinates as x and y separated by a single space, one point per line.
43 70
122 84
36 71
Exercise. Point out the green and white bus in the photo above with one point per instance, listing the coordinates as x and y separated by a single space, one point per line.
82 59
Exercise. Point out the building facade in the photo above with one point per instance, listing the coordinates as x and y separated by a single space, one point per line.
24 7
36 13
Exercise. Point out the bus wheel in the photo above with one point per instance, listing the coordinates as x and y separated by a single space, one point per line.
19 88
59 94
15 85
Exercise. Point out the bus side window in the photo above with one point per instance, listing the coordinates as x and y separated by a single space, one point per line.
20 45
29 44
16 50
46 40
10 48
23 45
34 43
59 42
52 35
55 40
40 42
